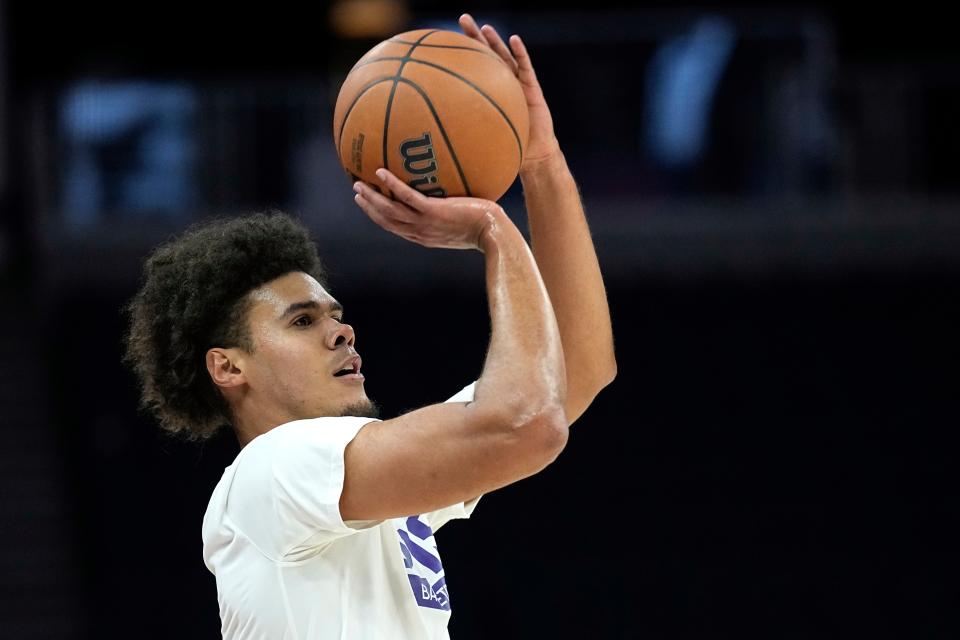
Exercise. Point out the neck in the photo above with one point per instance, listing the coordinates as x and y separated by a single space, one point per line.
252 418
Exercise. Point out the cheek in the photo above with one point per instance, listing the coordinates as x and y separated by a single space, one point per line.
293 364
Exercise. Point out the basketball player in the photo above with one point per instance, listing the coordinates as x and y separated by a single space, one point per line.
323 526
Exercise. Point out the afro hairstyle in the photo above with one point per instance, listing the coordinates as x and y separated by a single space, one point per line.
193 296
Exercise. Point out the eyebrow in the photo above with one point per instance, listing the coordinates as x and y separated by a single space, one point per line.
310 304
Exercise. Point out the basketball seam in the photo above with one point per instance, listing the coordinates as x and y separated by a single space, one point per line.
485 52
356 99
464 80
393 92
443 132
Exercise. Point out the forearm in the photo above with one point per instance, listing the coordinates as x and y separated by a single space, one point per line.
567 261
524 368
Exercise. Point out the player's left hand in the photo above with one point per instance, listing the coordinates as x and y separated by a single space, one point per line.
542 142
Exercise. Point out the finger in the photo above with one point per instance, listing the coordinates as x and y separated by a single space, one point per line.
373 213
470 29
497 44
376 214
524 65
403 192
386 208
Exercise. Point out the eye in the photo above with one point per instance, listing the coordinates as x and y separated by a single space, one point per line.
303 321
340 319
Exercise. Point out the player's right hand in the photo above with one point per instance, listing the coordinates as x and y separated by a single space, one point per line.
447 223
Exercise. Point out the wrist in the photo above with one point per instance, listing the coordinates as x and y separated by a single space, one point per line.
545 164
496 220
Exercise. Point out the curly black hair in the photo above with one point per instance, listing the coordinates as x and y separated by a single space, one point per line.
193 297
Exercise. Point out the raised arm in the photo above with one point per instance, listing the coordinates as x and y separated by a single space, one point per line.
568 263
451 452
560 237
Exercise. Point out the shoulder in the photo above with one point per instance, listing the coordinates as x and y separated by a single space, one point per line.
285 485
302 452
332 432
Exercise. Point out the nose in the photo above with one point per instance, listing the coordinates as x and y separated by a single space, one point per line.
342 333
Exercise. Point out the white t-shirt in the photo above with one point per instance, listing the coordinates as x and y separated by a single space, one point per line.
288 567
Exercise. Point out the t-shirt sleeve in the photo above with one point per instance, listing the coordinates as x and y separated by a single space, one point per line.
465 394
286 492
440 517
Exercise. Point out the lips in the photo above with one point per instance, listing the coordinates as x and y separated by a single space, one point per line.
349 366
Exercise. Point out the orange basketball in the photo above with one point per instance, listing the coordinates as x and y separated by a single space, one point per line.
438 109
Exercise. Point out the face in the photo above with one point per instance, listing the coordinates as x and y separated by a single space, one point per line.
300 344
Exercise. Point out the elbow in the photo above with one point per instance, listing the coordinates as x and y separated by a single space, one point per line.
595 373
605 372
532 433
611 373
582 395
546 434
602 376
610 369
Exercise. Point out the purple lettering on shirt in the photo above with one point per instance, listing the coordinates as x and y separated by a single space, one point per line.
419 529
427 596
427 567
420 554
407 560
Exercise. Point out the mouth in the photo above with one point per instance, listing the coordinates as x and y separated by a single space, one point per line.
350 369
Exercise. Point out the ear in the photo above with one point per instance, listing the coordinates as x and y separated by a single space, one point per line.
223 367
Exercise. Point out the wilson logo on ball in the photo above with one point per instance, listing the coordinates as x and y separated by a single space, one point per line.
419 160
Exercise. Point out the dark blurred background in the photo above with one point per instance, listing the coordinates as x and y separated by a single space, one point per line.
773 194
